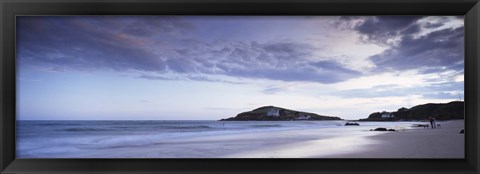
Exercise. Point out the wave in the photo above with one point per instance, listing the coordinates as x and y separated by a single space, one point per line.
82 129
187 127
267 125
58 124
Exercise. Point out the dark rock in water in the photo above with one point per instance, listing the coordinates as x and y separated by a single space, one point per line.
391 129
352 124
380 129
462 131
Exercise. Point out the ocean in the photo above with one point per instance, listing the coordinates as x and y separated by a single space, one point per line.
174 139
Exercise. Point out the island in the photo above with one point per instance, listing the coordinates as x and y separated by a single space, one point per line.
272 113
440 111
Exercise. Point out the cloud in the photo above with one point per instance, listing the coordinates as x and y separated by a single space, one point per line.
297 72
441 95
382 29
188 77
170 45
152 77
285 61
446 86
160 45
147 26
439 49
56 69
82 43
273 90
434 44
433 25
207 79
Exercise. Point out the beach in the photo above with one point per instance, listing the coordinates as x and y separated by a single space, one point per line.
256 139
442 142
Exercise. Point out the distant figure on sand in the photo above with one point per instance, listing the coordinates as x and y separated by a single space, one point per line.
433 123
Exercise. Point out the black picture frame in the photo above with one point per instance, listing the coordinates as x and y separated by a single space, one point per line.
11 8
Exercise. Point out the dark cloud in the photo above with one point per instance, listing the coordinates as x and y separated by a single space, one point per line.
81 43
379 29
412 29
441 50
437 51
433 25
147 26
288 51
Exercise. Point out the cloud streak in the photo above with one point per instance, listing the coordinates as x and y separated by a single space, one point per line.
435 91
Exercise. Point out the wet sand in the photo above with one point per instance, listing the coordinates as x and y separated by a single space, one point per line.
442 142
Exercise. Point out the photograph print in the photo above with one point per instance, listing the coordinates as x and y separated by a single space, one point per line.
240 87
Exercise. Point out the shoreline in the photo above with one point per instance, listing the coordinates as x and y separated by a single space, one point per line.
443 142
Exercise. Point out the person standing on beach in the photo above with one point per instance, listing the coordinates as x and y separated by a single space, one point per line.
432 122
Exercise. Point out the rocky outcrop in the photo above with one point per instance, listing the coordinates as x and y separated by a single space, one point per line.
352 124
441 111
272 113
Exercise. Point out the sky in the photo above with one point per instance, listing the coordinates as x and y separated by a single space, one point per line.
213 67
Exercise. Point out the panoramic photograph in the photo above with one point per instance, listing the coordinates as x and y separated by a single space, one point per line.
240 87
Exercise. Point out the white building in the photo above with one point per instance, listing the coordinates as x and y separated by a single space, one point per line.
387 114
273 112
303 117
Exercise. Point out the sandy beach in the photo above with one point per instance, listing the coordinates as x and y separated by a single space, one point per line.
442 142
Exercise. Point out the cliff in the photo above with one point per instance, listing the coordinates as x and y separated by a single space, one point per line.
441 111
272 113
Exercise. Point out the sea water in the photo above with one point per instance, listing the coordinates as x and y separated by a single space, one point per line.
83 139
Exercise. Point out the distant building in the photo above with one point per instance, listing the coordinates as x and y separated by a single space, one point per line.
386 114
273 112
303 117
